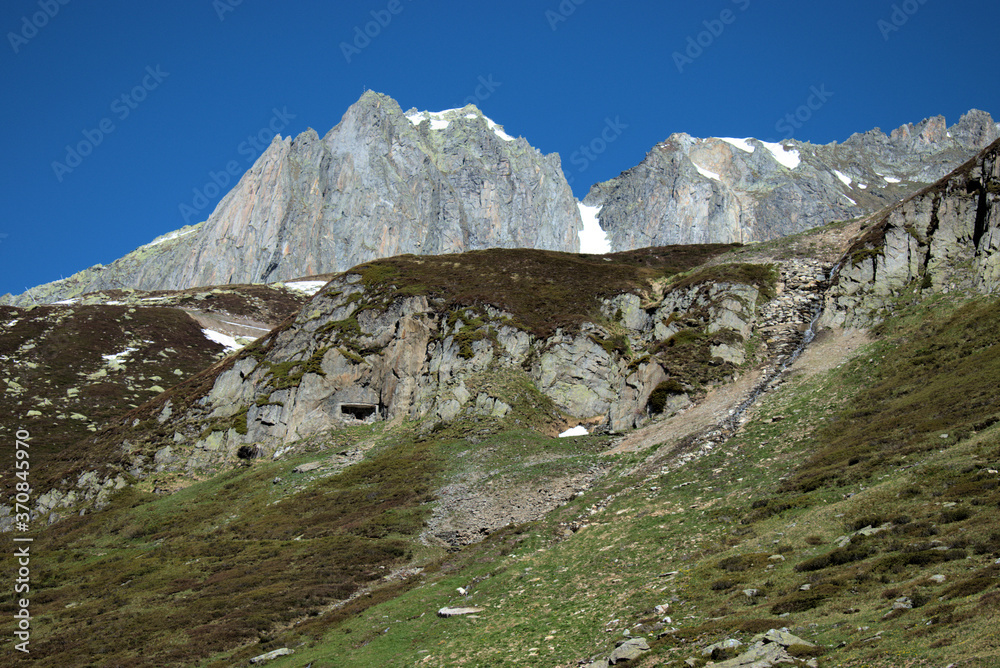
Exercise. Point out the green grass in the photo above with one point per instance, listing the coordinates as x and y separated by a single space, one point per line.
542 290
737 519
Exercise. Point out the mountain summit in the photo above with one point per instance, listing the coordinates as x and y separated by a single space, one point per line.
384 183
381 183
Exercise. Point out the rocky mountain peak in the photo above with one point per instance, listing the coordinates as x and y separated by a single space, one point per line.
379 184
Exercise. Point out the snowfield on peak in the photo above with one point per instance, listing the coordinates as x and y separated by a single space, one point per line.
441 119
788 157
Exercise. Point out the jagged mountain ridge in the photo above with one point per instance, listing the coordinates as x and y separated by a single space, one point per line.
383 183
690 190
378 184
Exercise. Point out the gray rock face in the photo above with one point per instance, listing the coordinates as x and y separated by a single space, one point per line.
691 190
379 184
947 237
350 355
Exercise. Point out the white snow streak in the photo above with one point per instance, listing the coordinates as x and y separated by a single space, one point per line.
892 179
847 180
118 357
222 339
742 144
593 239
706 173
575 431
168 237
789 157
440 119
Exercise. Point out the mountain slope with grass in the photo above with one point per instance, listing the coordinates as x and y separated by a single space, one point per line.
817 488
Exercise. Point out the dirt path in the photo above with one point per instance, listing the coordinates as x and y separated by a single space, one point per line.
830 348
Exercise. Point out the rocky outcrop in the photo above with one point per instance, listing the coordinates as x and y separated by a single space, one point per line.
370 348
379 184
690 190
410 360
944 238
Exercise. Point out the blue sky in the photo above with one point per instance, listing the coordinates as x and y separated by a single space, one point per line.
167 94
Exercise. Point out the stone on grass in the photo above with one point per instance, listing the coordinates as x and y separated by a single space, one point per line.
455 612
284 651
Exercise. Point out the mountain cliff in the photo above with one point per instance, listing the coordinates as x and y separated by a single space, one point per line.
690 190
384 182
944 238
381 183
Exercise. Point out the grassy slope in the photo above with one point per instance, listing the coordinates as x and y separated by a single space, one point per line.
697 537
242 560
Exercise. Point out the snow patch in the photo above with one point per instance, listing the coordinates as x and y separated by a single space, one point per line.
308 287
12 322
706 173
440 119
169 237
593 239
68 302
498 131
789 157
847 180
863 186
222 339
892 179
575 431
849 199
118 357
742 144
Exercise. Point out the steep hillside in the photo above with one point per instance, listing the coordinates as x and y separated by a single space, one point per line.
380 183
71 369
690 190
377 481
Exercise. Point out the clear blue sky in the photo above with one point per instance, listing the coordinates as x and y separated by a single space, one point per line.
200 76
